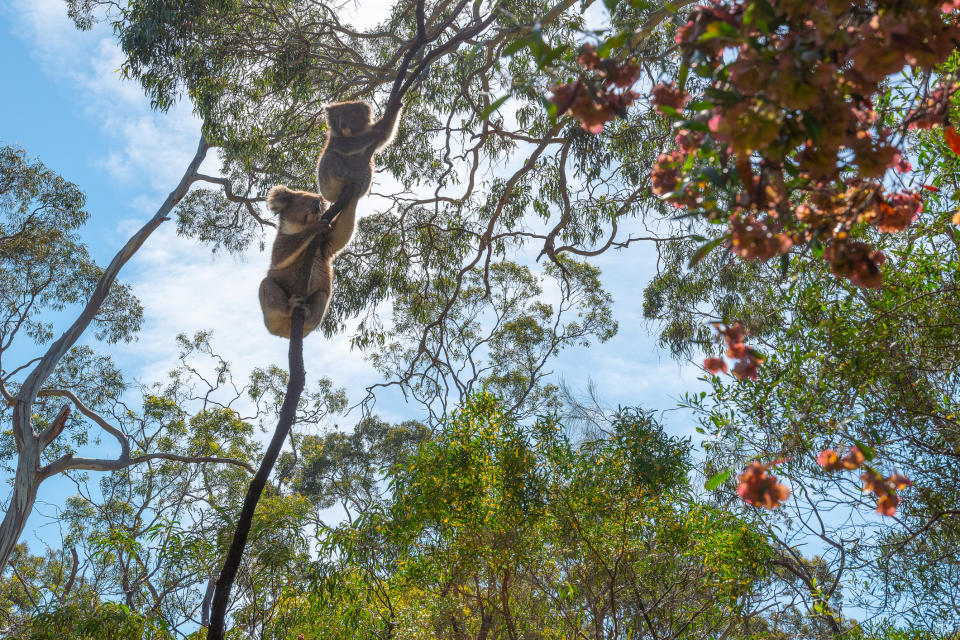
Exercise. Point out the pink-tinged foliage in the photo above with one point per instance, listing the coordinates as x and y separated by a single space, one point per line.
760 489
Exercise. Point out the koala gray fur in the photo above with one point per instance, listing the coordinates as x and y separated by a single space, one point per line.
300 221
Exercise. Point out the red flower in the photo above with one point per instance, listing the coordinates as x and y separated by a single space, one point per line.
900 482
589 58
747 367
857 261
829 460
953 139
669 95
576 99
622 74
746 358
887 504
759 489
854 459
885 489
715 365
898 211
665 175
901 164
753 239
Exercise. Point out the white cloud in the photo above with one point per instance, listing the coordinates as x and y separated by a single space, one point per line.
183 287
149 148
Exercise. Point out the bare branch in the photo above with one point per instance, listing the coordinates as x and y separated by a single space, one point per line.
71 463
28 392
56 426
46 437
73 575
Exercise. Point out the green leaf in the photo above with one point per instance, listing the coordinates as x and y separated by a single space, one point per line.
613 42
548 55
669 111
702 252
717 480
813 127
714 176
692 125
718 29
866 450
493 106
724 96
515 46
682 76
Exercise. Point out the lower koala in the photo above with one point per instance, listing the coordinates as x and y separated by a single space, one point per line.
300 214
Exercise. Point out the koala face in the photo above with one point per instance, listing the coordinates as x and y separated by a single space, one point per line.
296 209
348 118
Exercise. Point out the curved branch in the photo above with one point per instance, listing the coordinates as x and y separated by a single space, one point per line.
71 463
73 575
47 437
28 391
227 188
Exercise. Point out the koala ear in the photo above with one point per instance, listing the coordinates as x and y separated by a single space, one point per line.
278 198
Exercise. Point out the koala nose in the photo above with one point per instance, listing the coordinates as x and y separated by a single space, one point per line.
346 131
316 206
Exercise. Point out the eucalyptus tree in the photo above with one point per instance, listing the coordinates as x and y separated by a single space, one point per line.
479 173
477 179
151 536
45 268
844 366
495 528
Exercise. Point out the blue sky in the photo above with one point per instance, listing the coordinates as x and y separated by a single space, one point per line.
67 106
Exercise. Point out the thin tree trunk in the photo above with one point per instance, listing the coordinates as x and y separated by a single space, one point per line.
288 413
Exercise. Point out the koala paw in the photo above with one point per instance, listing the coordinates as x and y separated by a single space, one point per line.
298 301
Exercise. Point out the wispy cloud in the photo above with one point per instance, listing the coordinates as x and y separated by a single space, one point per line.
185 289
147 148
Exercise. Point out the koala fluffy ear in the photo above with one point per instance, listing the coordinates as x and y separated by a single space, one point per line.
278 198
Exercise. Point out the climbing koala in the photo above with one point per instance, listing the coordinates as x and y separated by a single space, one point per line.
352 140
300 214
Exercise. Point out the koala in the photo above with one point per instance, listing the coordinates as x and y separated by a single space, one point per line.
352 140
301 219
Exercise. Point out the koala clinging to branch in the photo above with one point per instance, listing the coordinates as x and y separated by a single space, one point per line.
346 159
352 140
301 219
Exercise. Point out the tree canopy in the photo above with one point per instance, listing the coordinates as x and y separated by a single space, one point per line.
793 167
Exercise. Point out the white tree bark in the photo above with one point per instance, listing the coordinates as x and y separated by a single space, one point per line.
30 445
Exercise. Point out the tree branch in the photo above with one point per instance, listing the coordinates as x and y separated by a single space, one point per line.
47 437
288 414
71 463
28 392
